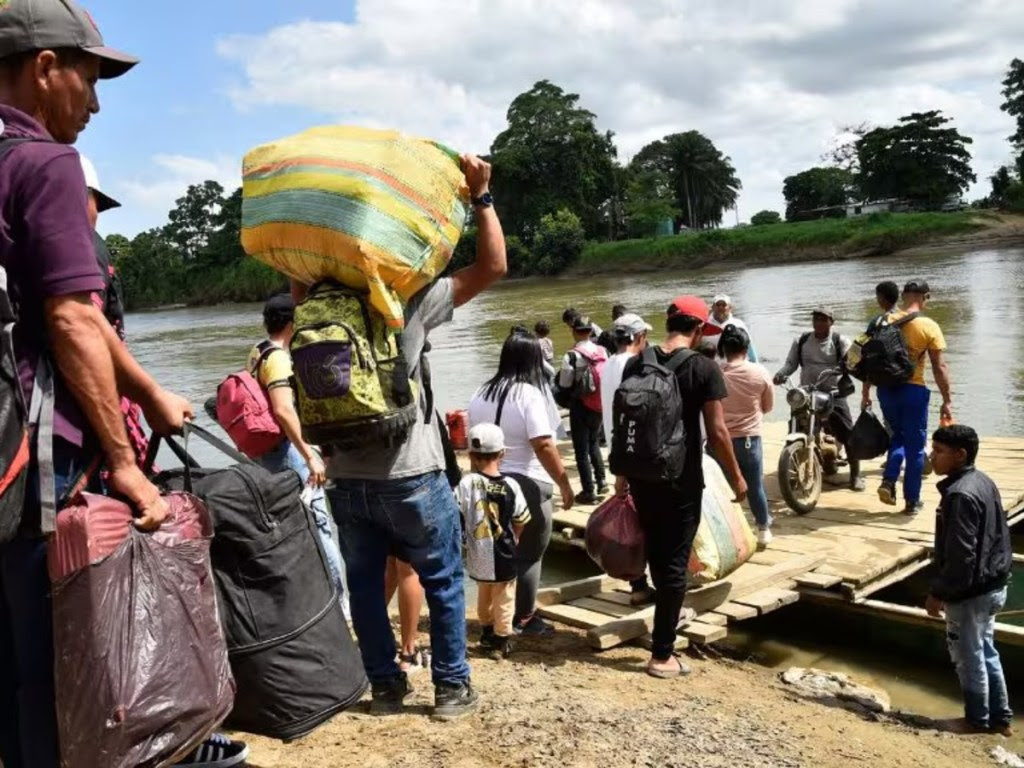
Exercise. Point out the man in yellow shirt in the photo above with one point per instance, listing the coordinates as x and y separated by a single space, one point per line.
905 406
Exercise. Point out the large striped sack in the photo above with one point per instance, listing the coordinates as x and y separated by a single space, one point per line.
725 540
374 210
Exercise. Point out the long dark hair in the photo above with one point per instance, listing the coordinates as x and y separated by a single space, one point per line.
522 362
733 341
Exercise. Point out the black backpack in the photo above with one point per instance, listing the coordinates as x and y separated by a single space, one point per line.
881 357
648 434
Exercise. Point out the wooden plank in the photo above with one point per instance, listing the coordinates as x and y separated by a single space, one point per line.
894 578
768 600
713 618
818 580
736 611
620 598
681 643
770 556
703 599
570 590
613 610
703 634
573 616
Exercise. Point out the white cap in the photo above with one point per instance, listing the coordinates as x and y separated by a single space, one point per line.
721 297
630 325
92 182
486 438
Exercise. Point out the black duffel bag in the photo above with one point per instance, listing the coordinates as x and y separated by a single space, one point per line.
290 648
868 438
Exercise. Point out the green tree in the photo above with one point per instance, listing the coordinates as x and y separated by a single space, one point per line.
816 188
552 156
765 217
195 218
1001 182
1013 92
151 268
224 245
703 180
921 159
558 242
650 200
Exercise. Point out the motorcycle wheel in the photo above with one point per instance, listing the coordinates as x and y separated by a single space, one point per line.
800 475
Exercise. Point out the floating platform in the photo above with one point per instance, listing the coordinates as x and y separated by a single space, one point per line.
849 548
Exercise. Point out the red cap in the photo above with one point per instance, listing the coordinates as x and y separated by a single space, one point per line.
691 306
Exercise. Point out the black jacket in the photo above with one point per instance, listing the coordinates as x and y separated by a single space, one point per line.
972 539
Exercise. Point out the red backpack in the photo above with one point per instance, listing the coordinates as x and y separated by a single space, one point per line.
243 410
588 378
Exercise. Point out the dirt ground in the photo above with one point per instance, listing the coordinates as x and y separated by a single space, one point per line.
555 703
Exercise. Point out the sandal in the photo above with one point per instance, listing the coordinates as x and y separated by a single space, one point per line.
669 674
414 662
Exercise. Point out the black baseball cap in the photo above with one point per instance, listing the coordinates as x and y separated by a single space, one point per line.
917 286
582 323
280 306
39 25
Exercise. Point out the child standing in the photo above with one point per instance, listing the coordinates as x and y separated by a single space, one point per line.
547 347
494 513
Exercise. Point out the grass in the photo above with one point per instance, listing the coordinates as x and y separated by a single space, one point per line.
875 234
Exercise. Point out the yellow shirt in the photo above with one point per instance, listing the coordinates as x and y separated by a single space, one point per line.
276 370
922 335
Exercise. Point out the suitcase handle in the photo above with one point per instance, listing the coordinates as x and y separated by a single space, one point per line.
181 451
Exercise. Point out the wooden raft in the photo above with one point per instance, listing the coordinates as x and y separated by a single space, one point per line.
849 548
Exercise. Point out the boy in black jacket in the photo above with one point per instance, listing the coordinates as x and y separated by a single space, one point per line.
973 560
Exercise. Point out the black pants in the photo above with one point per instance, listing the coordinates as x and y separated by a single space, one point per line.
585 425
670 518
840 424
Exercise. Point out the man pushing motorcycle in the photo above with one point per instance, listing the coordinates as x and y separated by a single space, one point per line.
815 353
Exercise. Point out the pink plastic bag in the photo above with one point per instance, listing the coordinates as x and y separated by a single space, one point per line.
140 661
615 539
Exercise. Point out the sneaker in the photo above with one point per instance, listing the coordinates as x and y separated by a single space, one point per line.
534 626
218 751
913 508
764 537
389 696
858 485
503 646
643 596
487 638
452 701
586 498
603 489
887 493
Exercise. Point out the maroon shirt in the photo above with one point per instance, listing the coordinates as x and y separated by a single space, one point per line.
45 245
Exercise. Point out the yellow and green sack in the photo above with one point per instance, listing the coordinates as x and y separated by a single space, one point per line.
352 383
377 211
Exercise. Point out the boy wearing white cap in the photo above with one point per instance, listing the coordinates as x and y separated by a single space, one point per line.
494 513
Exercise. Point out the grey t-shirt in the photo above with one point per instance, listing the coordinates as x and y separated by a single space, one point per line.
422 451
817 356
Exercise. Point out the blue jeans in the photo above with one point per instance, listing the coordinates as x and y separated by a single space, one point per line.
970 634
905 408
417 517
287 456
750 457
28 714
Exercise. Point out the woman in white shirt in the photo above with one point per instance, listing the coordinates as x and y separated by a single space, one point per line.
519 391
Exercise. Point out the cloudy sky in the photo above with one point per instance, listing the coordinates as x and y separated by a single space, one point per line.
769 81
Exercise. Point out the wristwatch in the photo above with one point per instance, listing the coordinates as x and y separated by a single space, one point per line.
486 200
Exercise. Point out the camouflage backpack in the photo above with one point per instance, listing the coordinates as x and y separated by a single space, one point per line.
352 382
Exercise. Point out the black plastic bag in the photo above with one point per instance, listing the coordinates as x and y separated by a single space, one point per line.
869 437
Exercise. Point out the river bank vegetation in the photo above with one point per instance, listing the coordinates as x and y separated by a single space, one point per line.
568 203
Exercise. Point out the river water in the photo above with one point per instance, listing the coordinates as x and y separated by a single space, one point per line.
978 299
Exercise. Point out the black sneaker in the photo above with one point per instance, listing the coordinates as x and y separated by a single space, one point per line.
603 490
487 638
454 700
913 508
218 751
586 498
389 696
887 493
534 626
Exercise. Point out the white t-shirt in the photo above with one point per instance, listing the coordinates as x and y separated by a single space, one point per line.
611 378
525 417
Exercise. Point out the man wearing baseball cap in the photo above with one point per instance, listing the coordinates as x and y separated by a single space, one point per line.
670 512
905 406
721 316
51 57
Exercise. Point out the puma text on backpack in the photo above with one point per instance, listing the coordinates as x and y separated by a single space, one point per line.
243 409
587 370
352 382
881 357
648 435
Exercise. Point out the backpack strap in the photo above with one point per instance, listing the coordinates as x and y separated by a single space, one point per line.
800 349
837 342
266 348
679 358
41 416
906 319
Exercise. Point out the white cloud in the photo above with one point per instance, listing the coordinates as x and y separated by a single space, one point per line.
148 195
770 81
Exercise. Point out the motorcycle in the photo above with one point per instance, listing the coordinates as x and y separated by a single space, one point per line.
810 453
